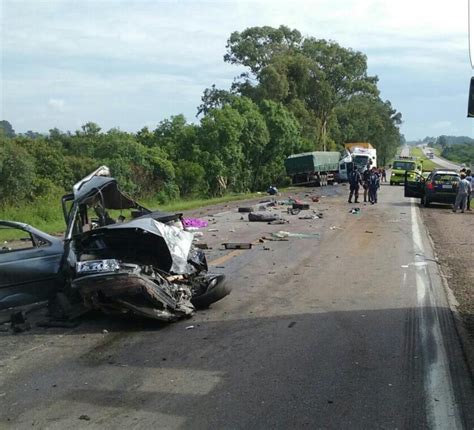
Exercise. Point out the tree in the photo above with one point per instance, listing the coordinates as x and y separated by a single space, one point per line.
337 74
256 46
7 129
17 173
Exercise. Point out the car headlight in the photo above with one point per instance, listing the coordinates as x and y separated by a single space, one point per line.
97 266
394 174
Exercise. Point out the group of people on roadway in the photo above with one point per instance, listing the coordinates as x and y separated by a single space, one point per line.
370 182
463 196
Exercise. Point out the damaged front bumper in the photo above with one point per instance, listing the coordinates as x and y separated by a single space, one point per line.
130 291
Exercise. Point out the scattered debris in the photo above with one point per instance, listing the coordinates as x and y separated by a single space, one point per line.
237 245
368 231
354 211
315 199
291 324
246 209
194 222
263 217
301 206
189 327
292 211
282 234
213 229
333 227
276 239
201 246
279 221
85 417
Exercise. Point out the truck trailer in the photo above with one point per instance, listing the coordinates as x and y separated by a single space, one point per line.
318 167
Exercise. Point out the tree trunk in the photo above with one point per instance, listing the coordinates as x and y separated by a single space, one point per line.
323 134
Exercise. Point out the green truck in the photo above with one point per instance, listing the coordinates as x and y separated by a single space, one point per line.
403 165
318 167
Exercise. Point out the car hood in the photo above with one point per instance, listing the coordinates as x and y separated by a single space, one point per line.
144 241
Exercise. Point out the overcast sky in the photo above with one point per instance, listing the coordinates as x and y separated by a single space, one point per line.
131 63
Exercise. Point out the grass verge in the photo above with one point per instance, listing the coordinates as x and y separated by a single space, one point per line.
46 214
427 163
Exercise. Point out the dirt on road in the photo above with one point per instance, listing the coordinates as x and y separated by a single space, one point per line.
452 234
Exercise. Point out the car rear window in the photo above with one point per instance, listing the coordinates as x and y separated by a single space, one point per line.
445 178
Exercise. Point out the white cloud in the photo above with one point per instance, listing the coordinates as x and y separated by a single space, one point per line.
56 104
96 52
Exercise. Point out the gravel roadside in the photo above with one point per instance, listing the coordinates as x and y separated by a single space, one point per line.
453 236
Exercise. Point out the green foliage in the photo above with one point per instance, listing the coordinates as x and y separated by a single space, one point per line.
460 153
6 129
17 173
297 94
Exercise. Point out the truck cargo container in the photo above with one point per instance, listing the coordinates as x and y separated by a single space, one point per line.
318 167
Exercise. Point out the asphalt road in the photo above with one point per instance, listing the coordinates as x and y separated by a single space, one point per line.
442 162
347 329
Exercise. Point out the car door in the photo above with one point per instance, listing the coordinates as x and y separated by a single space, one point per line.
414 185
29 265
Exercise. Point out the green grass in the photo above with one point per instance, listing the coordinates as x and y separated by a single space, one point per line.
46 214
427 163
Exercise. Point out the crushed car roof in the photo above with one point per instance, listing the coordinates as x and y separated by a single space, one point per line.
108 187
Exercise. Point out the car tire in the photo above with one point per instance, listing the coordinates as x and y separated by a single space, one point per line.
218 292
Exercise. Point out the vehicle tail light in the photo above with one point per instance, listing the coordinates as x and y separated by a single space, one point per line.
430 185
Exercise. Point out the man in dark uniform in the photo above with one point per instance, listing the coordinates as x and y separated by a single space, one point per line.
374 185
354 181
365 182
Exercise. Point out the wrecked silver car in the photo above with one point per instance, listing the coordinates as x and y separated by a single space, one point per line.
137 262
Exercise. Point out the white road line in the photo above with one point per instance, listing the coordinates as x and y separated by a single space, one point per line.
442 412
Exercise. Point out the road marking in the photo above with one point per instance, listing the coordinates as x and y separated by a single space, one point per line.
442 412
227 257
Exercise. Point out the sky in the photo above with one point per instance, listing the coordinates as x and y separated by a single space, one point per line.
130 64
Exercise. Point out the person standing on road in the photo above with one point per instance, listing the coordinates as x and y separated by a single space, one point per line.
354 181
469 178
365 183
374 184
384 175
464 188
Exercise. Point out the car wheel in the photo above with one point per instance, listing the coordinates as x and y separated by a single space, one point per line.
214 293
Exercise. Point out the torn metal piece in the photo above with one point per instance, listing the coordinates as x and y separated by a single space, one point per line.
237 245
